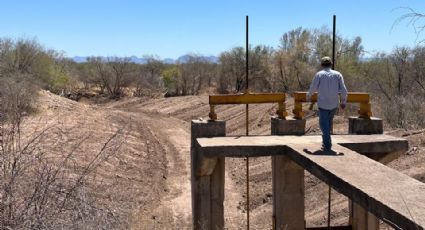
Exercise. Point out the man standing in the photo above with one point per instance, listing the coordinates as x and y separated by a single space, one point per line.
328 83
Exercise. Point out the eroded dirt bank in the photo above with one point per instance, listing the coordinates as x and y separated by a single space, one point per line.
148 180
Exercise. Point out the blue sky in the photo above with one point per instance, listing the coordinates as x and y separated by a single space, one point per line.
174 28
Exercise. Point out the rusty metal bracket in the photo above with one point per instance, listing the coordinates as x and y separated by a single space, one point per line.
248 98
365 110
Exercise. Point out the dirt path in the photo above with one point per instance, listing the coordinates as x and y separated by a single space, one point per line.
172 133
147 183
174 209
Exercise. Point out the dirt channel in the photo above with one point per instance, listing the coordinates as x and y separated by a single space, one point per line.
148 181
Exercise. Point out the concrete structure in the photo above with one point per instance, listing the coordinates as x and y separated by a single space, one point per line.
385 193
287 126
287 179
357 125
207 178
359 218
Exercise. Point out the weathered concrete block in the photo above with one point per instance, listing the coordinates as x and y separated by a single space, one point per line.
207 178
359 217
289 126
362 219
288 194
207 128
357 125
287 180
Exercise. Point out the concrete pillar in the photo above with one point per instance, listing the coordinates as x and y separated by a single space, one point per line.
289 126
357 125
207 179
360 218
287 181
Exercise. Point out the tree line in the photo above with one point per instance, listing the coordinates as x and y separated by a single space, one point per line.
396 79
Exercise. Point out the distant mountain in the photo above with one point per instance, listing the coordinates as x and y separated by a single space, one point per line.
138 60
183 59
213 59
79 59
169 61
186 58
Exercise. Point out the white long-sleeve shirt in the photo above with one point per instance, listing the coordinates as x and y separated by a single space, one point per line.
328 83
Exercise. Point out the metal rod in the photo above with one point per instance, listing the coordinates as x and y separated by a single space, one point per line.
247 55
329 208
247 193
333 67
247 124
333 42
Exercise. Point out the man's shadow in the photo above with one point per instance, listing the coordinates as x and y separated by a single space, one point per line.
323 153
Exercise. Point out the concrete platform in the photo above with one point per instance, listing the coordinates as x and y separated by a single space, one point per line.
256 146
390 195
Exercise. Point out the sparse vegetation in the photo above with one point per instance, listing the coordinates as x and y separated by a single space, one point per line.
394 78
47 190
40 189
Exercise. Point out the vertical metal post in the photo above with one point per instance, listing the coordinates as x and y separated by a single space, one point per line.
329 208
247 55
333 42
333 67
247 123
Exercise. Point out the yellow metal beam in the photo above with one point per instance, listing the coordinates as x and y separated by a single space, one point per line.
353 97
248 98
365 110
357 97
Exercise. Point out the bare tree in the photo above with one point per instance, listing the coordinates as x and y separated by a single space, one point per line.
102 72
232 70
195 72
418 66
293 58
122 71
113 74
414 19
151 71
260 68
400 60
39 190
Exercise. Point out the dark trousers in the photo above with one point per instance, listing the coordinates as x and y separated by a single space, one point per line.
325 121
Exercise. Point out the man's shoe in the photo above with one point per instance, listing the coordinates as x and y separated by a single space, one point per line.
325 149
